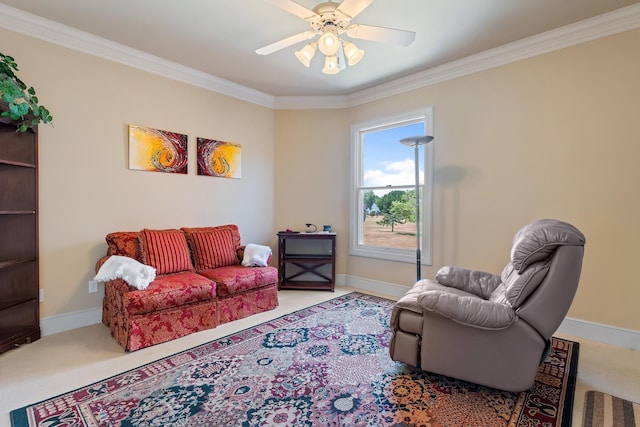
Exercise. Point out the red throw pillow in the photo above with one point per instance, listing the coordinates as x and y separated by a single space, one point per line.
124 243
213 248
166 251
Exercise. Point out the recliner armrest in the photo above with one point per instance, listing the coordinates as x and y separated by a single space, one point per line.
475 282
468 310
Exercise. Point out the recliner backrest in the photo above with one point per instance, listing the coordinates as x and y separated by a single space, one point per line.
534 247
539 240
547 306
516 287
542 277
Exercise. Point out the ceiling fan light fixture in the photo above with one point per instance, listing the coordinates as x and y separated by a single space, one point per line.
328 43
328 21
331 65
353 53
305 54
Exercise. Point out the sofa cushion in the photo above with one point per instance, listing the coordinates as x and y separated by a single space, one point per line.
166 251
124 243
234 279
213 247
169 291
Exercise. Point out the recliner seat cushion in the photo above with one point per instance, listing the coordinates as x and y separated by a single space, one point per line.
173 290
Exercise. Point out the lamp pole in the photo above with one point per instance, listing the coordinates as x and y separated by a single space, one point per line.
416 142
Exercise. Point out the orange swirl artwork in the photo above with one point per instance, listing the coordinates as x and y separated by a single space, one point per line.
157 150
219 158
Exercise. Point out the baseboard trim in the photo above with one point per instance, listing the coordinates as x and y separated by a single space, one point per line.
607 334
65 322
386 288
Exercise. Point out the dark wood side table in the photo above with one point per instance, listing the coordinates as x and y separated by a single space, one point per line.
307 261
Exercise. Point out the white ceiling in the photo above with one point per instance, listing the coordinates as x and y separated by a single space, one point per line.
219 37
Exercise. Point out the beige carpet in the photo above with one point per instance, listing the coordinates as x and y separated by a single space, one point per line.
605 410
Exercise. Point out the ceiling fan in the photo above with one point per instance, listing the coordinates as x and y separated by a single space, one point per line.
330 21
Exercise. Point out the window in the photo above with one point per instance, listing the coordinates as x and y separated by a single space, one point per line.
383 207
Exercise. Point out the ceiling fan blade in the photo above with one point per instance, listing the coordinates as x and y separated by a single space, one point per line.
381 34
273 47
352 8
294 8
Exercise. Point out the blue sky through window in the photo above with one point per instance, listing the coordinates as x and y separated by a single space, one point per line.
387 161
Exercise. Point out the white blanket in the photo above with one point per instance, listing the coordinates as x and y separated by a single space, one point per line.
131 271
256 255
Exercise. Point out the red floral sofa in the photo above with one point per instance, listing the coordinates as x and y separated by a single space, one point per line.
199 284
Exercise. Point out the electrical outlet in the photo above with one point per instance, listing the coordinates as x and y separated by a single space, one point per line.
93 286
41 295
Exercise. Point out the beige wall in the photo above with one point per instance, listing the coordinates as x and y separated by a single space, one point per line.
554 136
86 188
312 173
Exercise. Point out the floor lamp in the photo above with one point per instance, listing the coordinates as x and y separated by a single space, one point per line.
416 142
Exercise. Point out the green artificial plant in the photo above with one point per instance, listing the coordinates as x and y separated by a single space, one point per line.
23 108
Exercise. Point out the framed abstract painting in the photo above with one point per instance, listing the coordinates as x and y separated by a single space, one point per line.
219 158
157 150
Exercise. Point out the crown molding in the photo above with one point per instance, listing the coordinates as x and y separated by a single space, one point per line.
618 21
34 26
311 102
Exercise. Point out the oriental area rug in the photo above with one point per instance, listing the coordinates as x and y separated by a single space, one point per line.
325 365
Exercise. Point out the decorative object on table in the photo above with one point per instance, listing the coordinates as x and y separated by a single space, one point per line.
326 228
416 142
22 105
311 228
602 410
157 150
219 158
331 21
323 365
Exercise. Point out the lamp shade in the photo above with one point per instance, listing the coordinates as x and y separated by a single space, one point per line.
328 42
331 65
353 53
305 54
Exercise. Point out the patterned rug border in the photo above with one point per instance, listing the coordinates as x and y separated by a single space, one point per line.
569 389
570 384
20 417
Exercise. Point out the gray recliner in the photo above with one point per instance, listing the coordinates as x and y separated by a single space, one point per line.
489 329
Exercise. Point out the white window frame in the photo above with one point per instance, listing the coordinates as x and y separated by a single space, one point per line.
356 247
